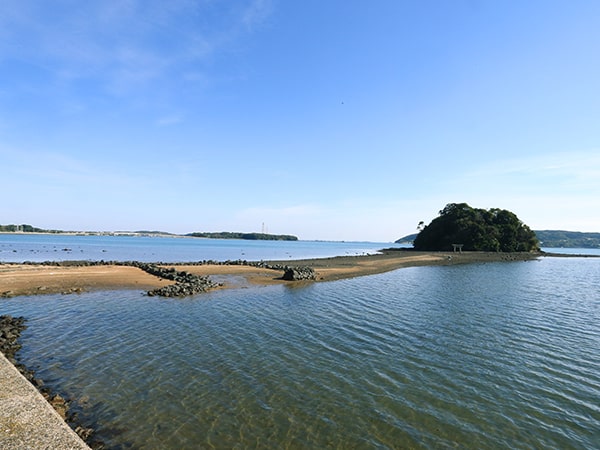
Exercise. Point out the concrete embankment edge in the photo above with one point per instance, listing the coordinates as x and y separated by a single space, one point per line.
27 420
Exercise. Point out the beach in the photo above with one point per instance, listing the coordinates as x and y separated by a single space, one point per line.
37 279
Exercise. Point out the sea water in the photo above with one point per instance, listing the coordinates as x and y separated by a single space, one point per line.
496 355
20 247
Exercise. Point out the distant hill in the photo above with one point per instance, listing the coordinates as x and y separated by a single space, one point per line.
407 239
247 236
217 235
568 239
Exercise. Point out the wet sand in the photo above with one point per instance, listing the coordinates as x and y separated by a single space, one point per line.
20 279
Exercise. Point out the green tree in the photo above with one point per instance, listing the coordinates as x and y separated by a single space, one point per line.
477 229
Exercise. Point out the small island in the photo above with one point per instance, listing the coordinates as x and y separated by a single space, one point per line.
459 235
459 226
246 236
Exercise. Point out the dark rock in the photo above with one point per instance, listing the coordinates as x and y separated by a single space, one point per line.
10 330
299 273
185 283
84 433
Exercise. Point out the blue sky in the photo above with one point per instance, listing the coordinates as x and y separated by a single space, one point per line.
339 120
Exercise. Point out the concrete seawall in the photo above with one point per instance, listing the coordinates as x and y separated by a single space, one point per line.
27 420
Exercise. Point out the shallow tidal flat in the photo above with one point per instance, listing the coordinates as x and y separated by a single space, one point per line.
490 355
76 277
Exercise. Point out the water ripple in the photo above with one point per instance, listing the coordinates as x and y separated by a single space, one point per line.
489 356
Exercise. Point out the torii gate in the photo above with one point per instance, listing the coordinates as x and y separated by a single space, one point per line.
457 247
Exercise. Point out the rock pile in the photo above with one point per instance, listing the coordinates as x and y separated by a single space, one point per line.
10 330
299 273
185 283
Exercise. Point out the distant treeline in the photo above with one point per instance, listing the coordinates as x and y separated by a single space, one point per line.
218 235
568 239
153 232
248 236
24 228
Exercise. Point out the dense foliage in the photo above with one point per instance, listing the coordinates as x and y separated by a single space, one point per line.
248 236
569 239
495 230
24 229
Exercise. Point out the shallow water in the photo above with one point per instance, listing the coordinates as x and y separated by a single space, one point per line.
500 355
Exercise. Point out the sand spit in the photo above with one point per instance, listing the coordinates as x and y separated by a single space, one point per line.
36 279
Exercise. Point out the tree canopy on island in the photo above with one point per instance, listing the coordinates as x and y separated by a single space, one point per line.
493 230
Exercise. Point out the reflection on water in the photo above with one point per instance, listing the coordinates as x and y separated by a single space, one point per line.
478 356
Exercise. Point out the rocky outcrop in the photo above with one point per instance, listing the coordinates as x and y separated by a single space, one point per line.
303 273
185 283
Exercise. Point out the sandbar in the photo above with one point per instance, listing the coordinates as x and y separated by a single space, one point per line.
36 279
28 279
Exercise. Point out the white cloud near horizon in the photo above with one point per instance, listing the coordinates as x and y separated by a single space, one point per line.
575 167
545 191
374 220
38 171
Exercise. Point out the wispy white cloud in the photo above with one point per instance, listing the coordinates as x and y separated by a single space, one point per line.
552 191
53 169
169 120
256 12
575 170
123 43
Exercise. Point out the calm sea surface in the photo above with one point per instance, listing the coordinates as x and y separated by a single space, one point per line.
498 355
45 247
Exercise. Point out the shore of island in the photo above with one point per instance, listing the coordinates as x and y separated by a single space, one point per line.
76 277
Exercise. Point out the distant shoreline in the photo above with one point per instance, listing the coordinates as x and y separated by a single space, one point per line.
250 236
18 279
